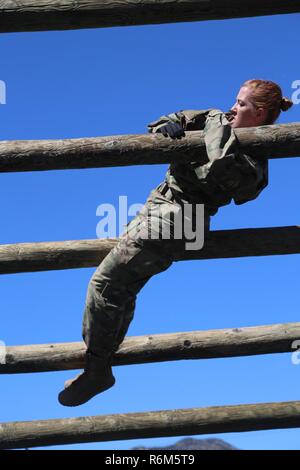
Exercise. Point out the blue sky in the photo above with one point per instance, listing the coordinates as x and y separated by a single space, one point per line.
114 81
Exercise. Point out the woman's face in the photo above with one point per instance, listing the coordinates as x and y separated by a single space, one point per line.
245 113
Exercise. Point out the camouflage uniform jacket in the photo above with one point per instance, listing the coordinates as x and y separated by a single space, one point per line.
227 174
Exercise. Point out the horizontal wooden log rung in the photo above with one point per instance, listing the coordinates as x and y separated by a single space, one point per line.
179 422
273 141
37 15
70 254
246 341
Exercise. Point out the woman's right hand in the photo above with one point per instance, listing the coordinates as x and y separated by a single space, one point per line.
172 129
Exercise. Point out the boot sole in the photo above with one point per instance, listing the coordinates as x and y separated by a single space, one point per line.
63 396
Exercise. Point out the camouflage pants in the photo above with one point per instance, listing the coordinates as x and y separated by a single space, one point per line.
112 290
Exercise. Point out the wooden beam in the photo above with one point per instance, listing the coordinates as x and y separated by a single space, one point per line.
190 421
45 256
274 141
233 342
40 15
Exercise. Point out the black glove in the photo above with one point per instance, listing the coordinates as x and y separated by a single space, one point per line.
173 130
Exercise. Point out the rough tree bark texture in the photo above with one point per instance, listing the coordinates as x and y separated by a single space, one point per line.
39 15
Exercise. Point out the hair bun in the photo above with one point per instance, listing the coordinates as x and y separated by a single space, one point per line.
285 104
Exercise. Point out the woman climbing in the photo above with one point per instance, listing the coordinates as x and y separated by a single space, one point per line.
151 243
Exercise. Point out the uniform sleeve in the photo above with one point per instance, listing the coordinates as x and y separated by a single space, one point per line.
228 169
189 119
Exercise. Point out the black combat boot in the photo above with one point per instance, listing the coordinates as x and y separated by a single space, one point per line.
96 378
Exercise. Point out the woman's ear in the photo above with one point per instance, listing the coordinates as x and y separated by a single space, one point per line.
261 114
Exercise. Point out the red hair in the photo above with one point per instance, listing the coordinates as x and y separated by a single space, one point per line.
268 95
